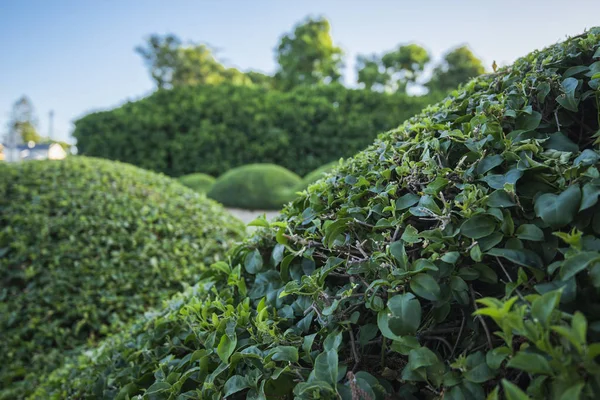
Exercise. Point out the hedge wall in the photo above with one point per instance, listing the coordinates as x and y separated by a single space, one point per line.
212 129
86 245
458 257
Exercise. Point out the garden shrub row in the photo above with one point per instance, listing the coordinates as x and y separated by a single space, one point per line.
86 245
458 257
212 129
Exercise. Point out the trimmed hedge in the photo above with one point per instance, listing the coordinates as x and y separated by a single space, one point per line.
199 182
255 187
456 258
212 129
85 246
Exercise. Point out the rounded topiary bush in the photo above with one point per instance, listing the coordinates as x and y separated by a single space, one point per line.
315 175
87 244
254 187
456 258
199 182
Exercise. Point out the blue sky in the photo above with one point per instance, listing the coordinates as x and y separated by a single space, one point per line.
76 56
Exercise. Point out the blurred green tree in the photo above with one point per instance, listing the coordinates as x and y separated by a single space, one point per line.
459 66
171 63
395 70
308 56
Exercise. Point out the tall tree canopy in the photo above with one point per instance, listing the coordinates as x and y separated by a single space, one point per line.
308 55
171 63
22 123
459 66
394 70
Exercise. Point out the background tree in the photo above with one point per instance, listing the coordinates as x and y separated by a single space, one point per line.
459 66
371 73
308 56
22 123
171 63
405 65
395 70
161 55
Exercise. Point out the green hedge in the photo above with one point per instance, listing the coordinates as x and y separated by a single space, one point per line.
255 187
212 129
199 182
455 258
85 246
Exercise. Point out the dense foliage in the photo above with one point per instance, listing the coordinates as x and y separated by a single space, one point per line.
212 129
86 245
255 187
455 258
200 182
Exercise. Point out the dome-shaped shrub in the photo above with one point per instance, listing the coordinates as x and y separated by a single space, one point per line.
315 175
199 182
87 244
254 187
456 258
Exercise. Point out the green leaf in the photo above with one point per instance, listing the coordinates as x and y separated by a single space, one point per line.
425 286
575 264
226 347
543 89
558 141
489 163
528 122
558 211
589 196
542 307
422 357
524 257
397 251
253 262
573 393
326 367
260 221
500 198
406 201
531 363
426 207
158 387
235 384
498 181
334 230
284 353
530 232
568 99
579 326
512 391
477 369
405 316
410 235
478 226
587 157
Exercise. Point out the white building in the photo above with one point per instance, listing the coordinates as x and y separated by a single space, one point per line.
32 151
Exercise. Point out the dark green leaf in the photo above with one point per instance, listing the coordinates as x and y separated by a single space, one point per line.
425 286
558 211
478 226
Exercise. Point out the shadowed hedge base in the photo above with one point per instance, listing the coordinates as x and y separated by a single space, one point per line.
214 128
255 187
199 182
455 258
85 246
